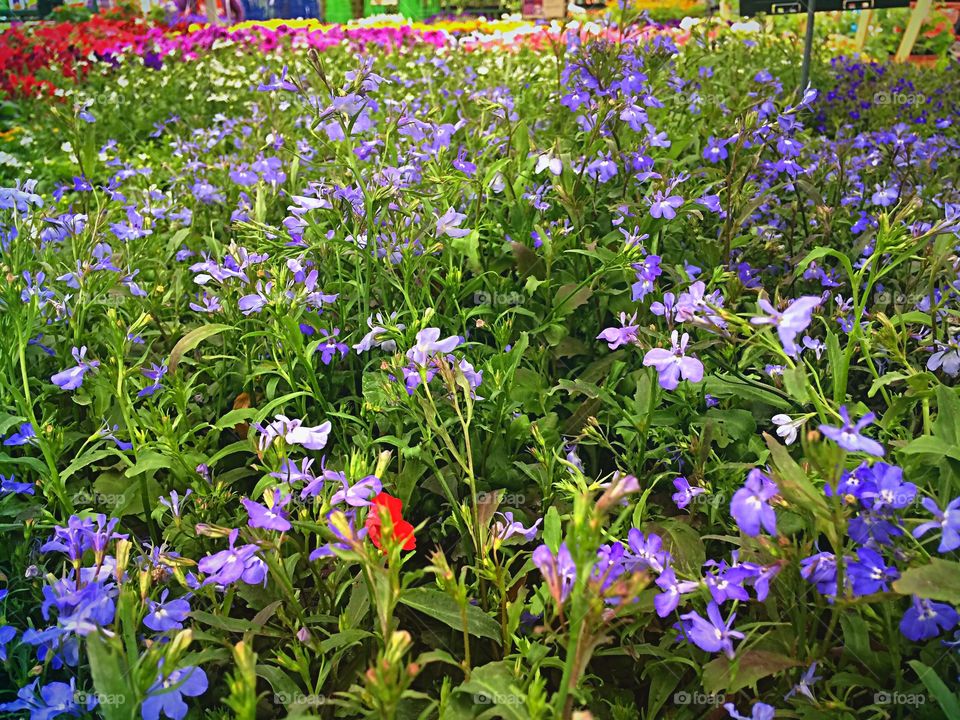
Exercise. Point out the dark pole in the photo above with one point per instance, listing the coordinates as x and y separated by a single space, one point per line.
808 46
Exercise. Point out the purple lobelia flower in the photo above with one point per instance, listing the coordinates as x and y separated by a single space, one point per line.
163 615
946 357
506 527
11 486
647 273
449 224
558 570
760 711
668 600
56 699
646 552
269 518
665 207
167 693
869 573
72 378
750 507
623 335
7 633
235 563
685 492
330 345
293 432
430 344
948 520
713 633
848 436
887 490
821 570
926 619
24 435
673 364
360 494
155 373
805 686
789 323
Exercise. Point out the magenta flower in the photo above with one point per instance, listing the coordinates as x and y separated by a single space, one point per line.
673 364
72 378
848 436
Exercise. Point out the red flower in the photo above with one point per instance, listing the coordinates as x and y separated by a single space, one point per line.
402 531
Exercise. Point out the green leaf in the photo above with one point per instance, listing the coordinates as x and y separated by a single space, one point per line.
146 462
793 482
494 686
233 625
796 384
948 415
931 445
940 580
948 701
81 461
552 530
111 679
723 675
193 338
444 608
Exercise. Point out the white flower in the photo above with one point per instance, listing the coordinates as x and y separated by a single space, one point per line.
751 26
786 427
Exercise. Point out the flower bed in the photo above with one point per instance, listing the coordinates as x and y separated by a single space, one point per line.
451 372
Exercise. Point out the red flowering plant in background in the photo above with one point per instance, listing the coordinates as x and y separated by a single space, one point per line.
398 530
67 48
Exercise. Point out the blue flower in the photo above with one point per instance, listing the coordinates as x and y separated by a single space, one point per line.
7 633
165 615
166 694
54 700
870 573
72 378
10 486
848 436
749 505
24 435
714 634
948 520
926 619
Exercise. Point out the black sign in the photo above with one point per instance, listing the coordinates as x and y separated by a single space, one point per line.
788 7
